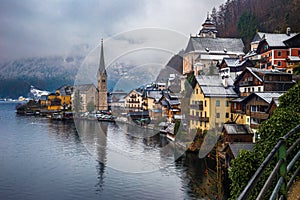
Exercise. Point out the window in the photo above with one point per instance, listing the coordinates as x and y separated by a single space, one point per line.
234 105
193 112
259 89
249 90
227 103
218 103
253 108
205 103
245 89
197 114
103 81
196 91
217 115
279 63
279 53
227 115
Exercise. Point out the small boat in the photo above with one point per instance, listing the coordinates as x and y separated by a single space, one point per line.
106 118
57 116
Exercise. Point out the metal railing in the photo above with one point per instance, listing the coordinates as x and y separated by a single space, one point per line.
282 168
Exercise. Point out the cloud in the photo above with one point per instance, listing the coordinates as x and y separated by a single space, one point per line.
34 28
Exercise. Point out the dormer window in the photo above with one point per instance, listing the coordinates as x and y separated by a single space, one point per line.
225 50
207 49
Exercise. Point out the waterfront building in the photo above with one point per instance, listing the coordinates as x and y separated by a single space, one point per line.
133 101
262 80
64 93
84 97
102 83
209 102
205 50
54 102
116 99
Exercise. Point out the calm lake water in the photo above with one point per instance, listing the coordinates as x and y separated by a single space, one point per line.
40 159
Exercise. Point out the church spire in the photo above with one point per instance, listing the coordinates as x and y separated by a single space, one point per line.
101 69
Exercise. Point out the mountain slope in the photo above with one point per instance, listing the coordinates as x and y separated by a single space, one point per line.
242 18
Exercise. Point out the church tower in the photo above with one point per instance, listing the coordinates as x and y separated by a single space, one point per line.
102 82
209 29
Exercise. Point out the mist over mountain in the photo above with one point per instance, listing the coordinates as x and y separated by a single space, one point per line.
47 73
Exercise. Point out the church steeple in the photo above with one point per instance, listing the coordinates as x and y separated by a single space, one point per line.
101 69
102 82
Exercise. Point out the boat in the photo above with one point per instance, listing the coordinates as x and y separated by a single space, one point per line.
57 116
106 118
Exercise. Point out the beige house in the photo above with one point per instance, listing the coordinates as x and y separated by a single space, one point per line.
84 97
133 101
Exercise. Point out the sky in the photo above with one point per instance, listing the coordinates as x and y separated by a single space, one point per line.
30 28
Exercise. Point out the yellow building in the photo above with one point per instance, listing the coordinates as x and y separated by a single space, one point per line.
54 102
64 93
210 102
60 100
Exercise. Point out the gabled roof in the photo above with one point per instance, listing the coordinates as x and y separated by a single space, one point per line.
65 90
237 147
235 62
266 96
273 39
85 87
134 91
259 73
218 45
212 86
237 129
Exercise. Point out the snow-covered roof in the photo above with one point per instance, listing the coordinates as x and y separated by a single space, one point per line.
202 44
275 39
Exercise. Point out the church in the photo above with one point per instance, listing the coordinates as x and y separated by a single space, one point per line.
101 94
205 49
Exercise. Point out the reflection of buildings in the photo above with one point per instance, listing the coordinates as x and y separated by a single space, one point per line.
94 136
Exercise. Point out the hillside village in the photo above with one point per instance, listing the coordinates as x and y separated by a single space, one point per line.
230 91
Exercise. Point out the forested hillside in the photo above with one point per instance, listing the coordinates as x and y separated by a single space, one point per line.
242 18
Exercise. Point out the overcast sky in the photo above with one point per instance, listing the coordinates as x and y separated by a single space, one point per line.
54 27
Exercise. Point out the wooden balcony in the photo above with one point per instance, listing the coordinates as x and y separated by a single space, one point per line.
200 119
259 115
204 119
196 106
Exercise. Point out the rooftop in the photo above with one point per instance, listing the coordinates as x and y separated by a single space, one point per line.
217 45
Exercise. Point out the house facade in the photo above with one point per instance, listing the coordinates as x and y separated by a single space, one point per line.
209 102
277 51
262 80
254 108
133 101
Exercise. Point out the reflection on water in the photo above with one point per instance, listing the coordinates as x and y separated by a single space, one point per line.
42 159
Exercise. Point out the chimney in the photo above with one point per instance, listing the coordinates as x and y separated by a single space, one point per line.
225 81
288 31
